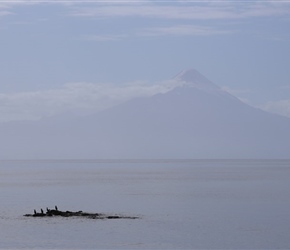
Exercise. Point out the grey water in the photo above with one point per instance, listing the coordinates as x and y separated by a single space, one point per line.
182 204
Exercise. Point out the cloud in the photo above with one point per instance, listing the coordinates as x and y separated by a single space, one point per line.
182 30
104 38
153 11
5 13
4 9
175 30
238 93
281 107
235 91
190 10
183 10
75 98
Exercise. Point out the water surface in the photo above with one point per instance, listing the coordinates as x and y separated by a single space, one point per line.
183 204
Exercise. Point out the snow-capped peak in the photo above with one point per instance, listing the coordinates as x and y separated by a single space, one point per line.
193 78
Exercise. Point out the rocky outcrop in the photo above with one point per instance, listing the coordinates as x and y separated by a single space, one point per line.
56 212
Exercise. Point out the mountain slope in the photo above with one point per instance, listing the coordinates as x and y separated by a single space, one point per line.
196 119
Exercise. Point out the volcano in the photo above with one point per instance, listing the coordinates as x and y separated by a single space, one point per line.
195 119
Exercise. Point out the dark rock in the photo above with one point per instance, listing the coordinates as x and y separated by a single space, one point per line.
56 212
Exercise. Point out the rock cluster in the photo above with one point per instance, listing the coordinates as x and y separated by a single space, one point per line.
56 212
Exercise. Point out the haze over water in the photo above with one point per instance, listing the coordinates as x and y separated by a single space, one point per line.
95 80
183 204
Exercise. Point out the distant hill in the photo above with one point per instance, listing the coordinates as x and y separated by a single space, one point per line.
196 119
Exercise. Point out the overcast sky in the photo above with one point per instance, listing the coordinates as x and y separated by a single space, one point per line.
80 56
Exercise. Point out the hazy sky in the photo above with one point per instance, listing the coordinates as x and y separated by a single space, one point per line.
80 56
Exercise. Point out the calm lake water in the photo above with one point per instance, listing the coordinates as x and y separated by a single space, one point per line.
182 204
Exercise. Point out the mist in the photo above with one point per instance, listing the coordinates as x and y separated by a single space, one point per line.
189 118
